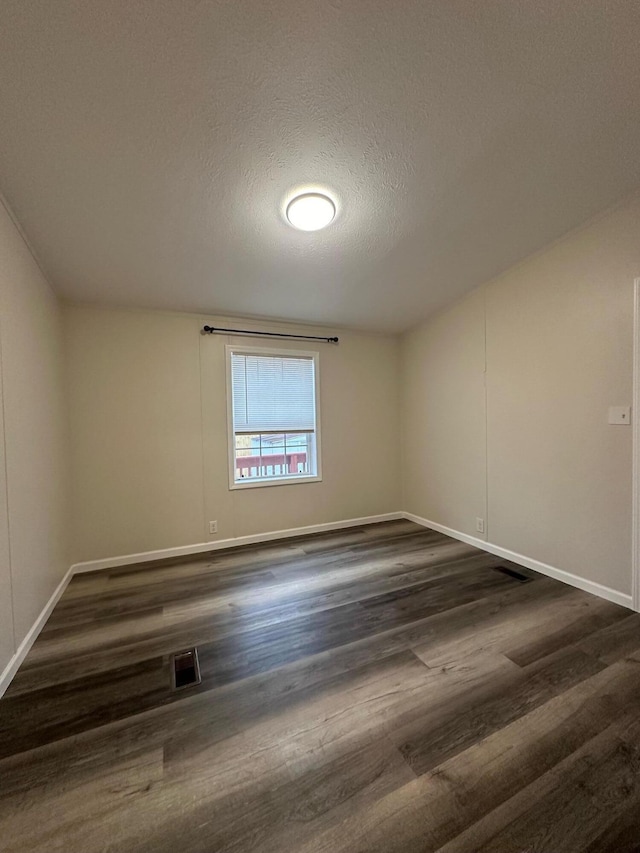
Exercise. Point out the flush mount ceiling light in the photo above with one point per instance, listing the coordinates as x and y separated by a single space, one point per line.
311 211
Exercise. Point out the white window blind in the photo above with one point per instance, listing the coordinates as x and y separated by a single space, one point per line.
272 393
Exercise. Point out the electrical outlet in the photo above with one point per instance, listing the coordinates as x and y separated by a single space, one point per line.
213 527
480 525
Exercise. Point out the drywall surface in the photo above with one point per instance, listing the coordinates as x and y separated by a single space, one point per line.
444 438
558 354
7 637
149 433
34 477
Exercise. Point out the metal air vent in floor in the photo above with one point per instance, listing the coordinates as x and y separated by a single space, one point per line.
185 669
518 576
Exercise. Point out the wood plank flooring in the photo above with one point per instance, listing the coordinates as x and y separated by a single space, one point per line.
382 688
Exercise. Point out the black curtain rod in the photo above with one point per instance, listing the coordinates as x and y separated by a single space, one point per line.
212 330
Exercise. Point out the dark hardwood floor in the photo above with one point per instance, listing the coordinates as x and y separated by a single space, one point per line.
382 688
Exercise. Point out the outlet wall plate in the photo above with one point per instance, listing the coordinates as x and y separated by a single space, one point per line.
620 415
213 527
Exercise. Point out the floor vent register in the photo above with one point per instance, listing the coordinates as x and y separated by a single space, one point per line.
185 669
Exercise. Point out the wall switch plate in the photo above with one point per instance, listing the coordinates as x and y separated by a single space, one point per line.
480 525
620 415
213 527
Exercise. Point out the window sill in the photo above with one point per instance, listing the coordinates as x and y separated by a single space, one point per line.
284 481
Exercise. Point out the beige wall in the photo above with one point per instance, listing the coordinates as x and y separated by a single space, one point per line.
558 353
444 434
149 434
7 637
34 470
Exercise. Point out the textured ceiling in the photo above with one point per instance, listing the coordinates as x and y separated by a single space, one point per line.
146 147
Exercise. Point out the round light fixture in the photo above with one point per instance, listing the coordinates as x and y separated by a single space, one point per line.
311 211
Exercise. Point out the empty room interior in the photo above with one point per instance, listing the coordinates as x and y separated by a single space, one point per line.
319 380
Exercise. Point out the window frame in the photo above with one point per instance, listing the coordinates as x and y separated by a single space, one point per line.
286 480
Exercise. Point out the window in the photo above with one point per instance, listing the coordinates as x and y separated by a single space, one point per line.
273 416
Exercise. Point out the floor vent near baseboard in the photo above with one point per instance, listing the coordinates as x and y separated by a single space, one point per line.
185 669
518 576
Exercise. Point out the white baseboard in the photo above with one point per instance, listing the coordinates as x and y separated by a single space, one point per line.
185 550
551 571
148 556
236 542
23 649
